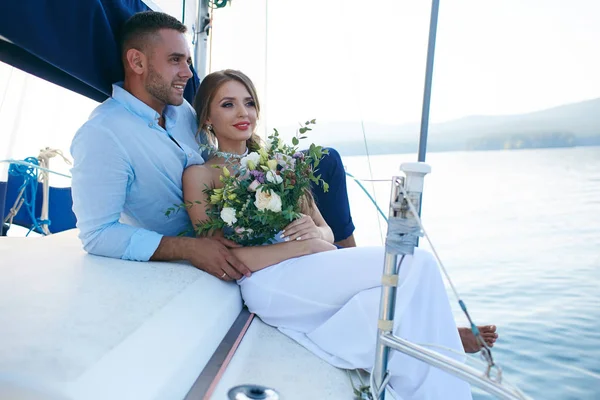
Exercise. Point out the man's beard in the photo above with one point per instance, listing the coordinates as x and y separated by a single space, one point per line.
158 88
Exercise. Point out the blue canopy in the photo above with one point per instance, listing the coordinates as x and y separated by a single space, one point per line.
71 43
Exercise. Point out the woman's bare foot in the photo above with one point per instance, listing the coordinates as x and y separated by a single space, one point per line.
488 333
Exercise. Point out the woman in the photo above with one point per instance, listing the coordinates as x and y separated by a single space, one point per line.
326 299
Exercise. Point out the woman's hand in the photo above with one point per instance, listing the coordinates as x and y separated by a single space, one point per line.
319 245
301 229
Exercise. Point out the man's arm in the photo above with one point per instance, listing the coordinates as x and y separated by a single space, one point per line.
101 175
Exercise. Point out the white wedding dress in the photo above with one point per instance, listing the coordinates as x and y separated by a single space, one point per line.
329 303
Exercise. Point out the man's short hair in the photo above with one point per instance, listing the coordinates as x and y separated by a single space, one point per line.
141 28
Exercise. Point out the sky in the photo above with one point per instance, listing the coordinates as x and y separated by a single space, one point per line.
340 60
349 60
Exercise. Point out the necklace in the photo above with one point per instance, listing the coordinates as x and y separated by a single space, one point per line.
228 156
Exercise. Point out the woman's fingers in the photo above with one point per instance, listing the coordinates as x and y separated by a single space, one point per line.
294 227
302 228
303 234
295 223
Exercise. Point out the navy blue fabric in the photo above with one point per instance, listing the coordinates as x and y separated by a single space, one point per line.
59 210
72 43
334 204
191 87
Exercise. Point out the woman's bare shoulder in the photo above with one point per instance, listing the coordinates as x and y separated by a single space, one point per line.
198 174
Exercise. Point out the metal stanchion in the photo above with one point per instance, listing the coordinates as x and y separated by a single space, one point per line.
402 238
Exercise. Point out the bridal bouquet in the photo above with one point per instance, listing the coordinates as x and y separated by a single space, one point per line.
264 192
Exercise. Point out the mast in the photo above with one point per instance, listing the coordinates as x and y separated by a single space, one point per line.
200 40
435 5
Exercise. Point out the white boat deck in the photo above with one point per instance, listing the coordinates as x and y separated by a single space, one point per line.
78 326
268 358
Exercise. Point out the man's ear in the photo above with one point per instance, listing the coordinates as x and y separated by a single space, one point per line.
136 61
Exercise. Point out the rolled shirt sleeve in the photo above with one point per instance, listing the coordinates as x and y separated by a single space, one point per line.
101 175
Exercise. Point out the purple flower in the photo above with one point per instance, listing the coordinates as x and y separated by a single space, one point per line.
258 175
298 154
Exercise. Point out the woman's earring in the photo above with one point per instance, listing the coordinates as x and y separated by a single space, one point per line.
209 128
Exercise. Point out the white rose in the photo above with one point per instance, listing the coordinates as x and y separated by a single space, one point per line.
228 215
273 177
254 157
267 201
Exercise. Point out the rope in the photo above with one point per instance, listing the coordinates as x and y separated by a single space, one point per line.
217 3
210 32
30 181
265 114
29 169
44 159
362 392
347 35
401 226
362 125
33 165
376 395
6 88
45 156
370 198
485 350
15 208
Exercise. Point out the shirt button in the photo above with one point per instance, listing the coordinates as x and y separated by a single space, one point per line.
190 155
150 124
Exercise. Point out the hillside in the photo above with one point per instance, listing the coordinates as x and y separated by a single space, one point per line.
576 124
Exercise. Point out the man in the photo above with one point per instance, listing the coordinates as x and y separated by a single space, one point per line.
130 156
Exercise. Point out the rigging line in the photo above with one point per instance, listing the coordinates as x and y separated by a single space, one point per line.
27 164
368 195
265 90
362 125
6 87
210 32
485 350
373 180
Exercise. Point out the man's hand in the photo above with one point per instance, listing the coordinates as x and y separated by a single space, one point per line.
211 255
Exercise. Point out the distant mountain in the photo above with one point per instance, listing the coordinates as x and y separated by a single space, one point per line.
576 124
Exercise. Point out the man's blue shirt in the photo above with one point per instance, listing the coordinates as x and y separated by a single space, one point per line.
127 172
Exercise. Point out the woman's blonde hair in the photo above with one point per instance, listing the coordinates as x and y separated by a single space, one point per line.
206 93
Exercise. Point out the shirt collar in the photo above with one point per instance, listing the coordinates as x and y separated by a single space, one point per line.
141 109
